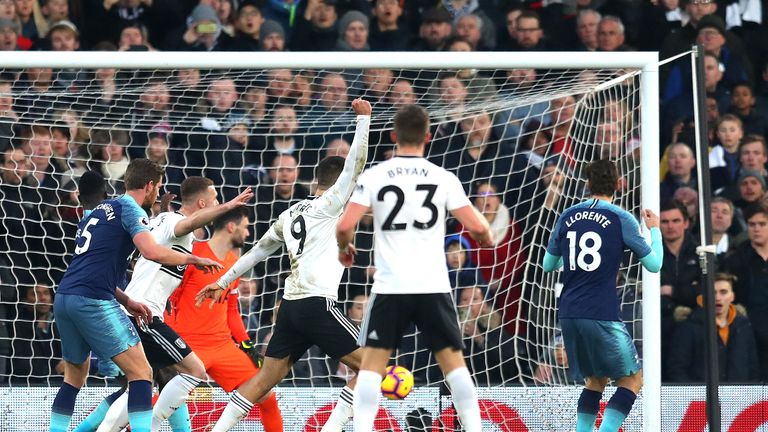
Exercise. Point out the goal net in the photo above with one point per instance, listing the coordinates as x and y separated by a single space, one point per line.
518 137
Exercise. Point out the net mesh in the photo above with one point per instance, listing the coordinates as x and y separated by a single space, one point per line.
518 140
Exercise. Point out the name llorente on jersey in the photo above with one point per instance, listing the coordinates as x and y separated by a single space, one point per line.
409 171
588 215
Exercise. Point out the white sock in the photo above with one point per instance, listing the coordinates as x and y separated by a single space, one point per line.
116 418
465 399
174 394
237 408
366 401
341 413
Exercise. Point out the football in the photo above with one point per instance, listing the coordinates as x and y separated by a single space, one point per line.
397 383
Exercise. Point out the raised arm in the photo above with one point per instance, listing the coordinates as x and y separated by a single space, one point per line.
340 192
651 257
205 216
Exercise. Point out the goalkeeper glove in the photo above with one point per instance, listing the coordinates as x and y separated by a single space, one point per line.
250 348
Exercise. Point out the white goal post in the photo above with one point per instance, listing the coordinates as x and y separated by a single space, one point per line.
645 63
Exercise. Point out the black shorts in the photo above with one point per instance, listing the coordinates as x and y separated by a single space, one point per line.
389 315
312 321
162 345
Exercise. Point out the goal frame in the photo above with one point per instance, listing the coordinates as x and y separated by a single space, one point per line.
646 62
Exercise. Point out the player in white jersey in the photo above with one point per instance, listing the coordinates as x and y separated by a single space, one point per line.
152 284
409 197
308 314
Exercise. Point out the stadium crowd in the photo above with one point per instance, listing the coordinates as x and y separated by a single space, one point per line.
269 129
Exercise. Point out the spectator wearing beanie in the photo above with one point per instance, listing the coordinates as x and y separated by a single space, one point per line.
10 35
271 36
353 32
203 32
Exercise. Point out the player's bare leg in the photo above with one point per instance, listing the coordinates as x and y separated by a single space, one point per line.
589 403
134 364
462 387
342 412
258 389
64 403
191 372
621 402
366 401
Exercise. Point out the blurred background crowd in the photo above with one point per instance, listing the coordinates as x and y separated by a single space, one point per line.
268 129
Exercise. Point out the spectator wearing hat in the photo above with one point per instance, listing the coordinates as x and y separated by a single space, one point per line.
436 27
64 36
387 33
462 270
753 155
203 32
9 35
316 29
247 29
353 32
271 36
712 36
749 263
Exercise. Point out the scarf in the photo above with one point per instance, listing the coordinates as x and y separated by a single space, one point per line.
500 224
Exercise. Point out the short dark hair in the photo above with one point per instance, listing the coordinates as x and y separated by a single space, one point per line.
92 188
727 277
140 172
328 170
602 176
192 186
235 215
753 209
674 204
411 125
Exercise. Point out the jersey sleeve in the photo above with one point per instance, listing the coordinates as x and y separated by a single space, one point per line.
553 247
630 233
457 198
338 194
133 218
362 192
234 321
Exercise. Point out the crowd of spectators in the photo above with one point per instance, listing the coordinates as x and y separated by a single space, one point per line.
268 129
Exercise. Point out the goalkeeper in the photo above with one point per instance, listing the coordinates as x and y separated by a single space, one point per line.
210 331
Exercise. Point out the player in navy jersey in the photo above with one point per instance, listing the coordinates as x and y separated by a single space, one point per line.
87 311
588 242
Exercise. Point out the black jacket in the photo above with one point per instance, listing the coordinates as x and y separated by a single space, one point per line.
737 359
683 273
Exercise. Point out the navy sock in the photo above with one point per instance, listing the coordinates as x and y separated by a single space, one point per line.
617 410
63 406
586 412
140 405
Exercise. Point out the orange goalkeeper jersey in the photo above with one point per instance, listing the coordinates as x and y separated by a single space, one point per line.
204 326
